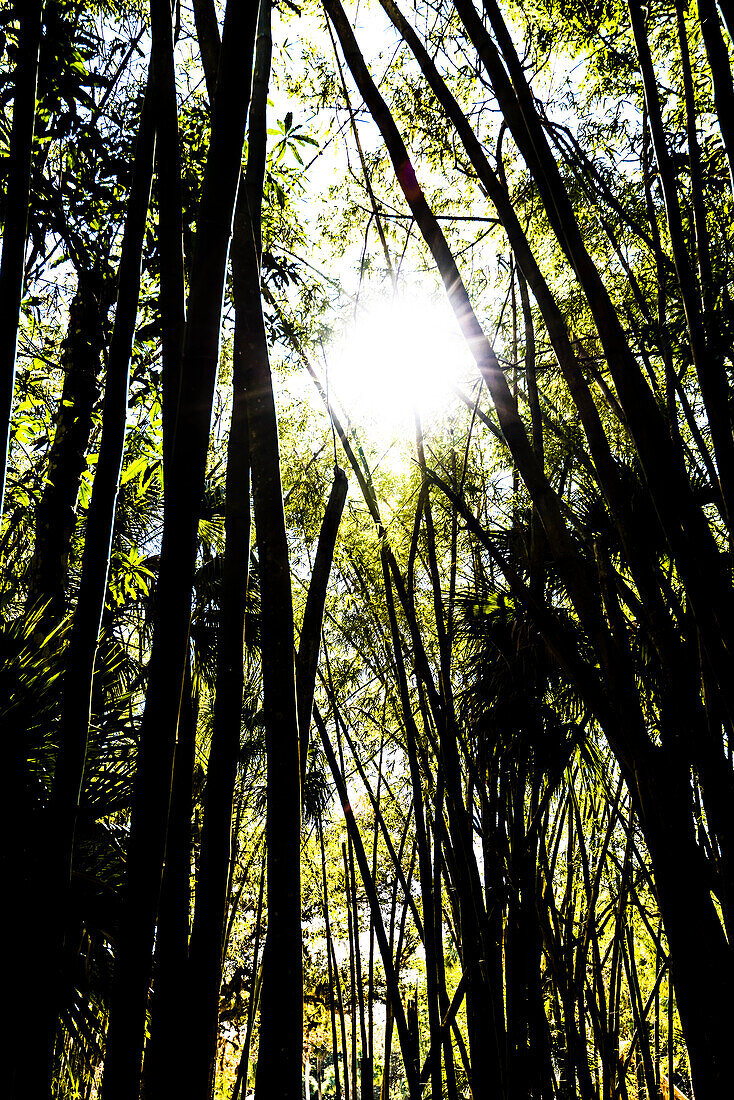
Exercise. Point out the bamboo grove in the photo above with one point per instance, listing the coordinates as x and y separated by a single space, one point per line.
325 777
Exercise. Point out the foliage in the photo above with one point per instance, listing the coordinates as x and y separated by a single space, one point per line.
523 689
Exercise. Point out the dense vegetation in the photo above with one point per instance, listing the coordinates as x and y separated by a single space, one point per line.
350 755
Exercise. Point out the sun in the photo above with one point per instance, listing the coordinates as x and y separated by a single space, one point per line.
402 355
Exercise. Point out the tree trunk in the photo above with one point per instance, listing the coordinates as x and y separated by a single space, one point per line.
701 959
166 1069
178 554
279 1065
393 990
87 620
310 641
15 231
81 362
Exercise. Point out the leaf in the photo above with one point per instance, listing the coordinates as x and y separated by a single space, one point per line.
133 470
